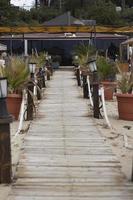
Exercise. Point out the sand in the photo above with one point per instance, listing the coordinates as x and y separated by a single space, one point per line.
115 136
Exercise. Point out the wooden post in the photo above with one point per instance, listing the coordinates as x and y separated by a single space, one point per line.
78 76
96 100
39 83
43 81
5 151
48 76
30 101
95 95
85 87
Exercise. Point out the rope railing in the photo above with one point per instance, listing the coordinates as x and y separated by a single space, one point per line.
104 108
89 91
21 115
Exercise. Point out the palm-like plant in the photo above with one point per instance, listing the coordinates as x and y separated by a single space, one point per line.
84 53
125 83
17 74
106 69
42 58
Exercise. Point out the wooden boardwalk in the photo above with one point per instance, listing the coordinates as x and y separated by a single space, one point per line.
64 157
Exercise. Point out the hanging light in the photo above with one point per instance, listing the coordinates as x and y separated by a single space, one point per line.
49 57
76 57
3 87
32 67
92 65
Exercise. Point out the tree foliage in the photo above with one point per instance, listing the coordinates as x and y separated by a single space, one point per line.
103 11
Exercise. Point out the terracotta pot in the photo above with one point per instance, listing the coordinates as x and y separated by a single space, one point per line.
85 72
109 88
124 67
125 106
14 104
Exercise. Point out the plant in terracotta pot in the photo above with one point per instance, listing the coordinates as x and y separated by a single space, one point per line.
125 96
107 75
17 74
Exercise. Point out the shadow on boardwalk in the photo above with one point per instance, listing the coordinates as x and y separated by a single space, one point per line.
64 157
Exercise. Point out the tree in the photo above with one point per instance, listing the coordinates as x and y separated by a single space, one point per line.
128 3
103 12
43 14
72 5
127 16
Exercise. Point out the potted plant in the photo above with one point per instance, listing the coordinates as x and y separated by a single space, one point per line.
107 76
17 74
125 95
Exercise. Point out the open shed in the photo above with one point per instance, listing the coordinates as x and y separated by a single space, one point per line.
126 48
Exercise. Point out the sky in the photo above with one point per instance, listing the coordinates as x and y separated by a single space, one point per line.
23 3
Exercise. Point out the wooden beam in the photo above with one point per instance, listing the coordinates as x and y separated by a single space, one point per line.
63 29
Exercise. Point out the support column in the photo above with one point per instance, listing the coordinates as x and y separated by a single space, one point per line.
25 47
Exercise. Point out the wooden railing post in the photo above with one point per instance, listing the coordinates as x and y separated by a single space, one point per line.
95 95
78 76
5 144
30 102
85 87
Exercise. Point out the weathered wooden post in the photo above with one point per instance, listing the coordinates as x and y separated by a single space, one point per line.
30 103
77 69
39 83
85 86
78 76
95 84
5 144
48 75
43 78
96 99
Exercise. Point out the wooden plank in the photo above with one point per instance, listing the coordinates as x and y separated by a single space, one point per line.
75 164
67 181
67 198
67 191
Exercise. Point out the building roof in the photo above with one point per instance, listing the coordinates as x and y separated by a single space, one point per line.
89 22
64 20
